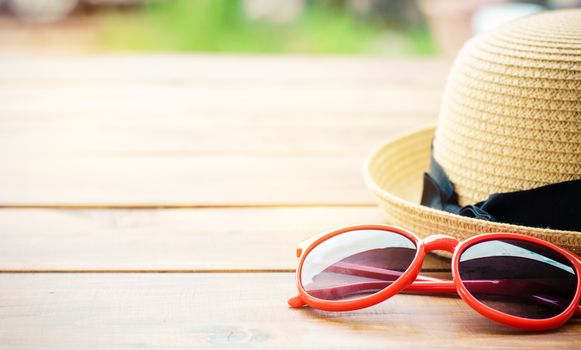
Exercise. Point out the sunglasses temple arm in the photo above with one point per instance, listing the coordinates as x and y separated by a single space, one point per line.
438 285
379 273
296 302
493 287
421 284
373 272
374 286
417 286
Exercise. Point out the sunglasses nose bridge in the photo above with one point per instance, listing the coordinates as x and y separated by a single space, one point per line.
440 242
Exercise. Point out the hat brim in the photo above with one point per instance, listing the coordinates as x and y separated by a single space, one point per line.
394 173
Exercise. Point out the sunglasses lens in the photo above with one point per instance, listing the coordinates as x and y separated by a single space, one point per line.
518 278
356 264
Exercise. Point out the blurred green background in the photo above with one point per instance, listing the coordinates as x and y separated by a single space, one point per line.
233 26
403 28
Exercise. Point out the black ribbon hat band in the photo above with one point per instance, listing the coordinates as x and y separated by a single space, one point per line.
556 206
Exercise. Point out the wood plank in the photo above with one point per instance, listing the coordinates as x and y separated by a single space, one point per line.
171 311
168 240
42 135
182 180
158 98
257 69
111 162
202 130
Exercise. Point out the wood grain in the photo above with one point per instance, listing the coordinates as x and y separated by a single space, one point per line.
169 240
289 165
245 69
175 311
227 163
126 134
119 180
198 130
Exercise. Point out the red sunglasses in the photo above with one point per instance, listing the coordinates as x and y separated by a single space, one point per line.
516 280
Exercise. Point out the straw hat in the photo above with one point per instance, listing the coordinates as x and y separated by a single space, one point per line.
510 120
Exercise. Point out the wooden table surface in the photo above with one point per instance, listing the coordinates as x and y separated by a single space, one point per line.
156 202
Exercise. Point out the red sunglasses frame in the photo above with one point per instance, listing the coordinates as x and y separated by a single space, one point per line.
411 280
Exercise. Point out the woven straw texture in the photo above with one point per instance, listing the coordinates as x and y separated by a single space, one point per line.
510 120
511 113
394 173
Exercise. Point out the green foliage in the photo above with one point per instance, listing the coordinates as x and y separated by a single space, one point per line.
221 26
